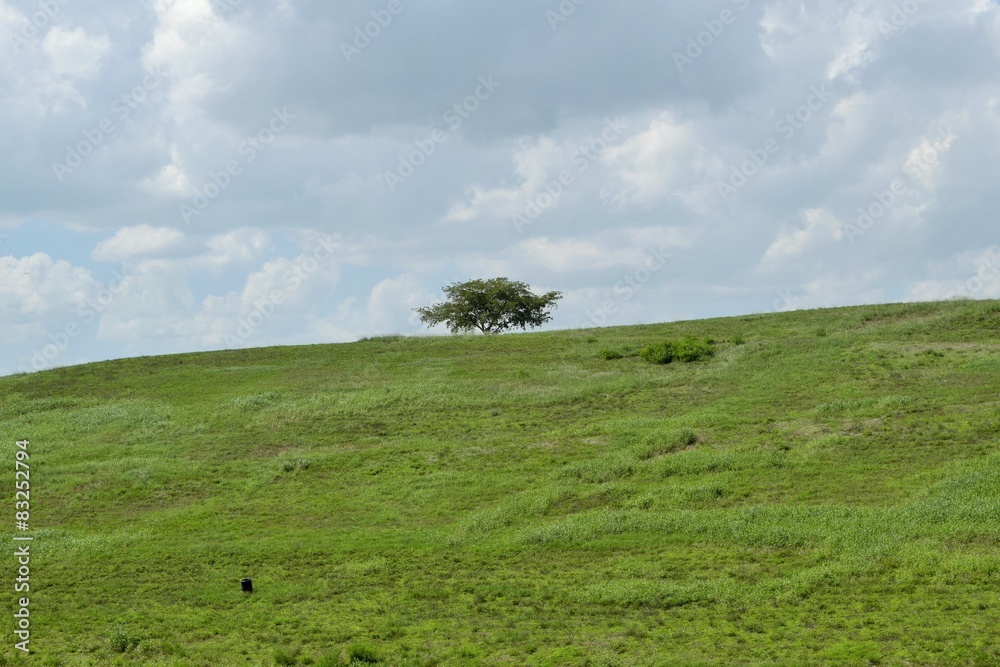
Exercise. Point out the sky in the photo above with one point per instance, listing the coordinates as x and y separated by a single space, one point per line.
187 175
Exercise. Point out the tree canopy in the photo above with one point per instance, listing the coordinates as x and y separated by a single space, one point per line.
490 306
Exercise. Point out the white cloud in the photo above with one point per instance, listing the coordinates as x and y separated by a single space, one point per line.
239 245
654 184
138 241
820 227
37 285
171 180
970 274
44 66
665 160
74 54
204 56
156 301
535 165
623 249
572 254
391 303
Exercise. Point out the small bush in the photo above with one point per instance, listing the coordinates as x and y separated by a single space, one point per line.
662 353
284 657
693 349
123 640
687 349
611 355
739 340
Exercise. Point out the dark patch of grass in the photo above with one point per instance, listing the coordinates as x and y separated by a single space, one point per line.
364 654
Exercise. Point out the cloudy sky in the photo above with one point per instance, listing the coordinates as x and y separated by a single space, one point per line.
204 174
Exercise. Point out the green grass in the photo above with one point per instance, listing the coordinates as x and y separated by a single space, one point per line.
824 490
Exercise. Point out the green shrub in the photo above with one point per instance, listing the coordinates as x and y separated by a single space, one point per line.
690 349
123 640
284 657
687 349
662 353
611 355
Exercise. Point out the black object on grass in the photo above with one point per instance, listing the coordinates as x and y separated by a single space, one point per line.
246 585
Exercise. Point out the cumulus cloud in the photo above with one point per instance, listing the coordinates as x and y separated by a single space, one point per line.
536 165
73 53
37 285
819 227
157 300
663 160
391 303
596 149
139 241
972 275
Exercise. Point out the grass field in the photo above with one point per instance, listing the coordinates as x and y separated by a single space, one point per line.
824 491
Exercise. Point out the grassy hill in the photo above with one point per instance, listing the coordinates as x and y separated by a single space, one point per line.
824 491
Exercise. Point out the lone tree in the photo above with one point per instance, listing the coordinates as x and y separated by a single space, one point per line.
491 306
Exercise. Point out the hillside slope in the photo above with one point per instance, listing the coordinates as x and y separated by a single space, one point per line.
825 491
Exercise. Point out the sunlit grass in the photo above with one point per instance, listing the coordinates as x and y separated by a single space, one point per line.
824 490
